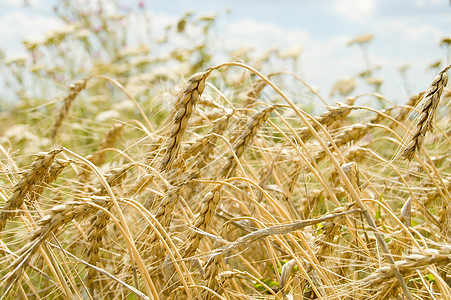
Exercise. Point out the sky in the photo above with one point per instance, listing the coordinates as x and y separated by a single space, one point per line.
405 32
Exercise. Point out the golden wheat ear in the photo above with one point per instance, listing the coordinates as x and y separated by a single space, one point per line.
427 114
29 183
186 102
74 90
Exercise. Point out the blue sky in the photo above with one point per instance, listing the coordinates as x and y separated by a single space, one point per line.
405 32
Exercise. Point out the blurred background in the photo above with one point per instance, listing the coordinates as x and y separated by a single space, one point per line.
339 47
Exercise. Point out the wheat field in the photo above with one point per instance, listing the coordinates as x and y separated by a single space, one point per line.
129 174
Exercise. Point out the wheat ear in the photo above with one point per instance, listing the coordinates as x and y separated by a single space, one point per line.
208 140
75 89
350 133
27 185
58 216
208 208
326 119
410 263
211 200
255 91
163 215
98 157
108 141
184 107
95 235
54 171
427 114
252 127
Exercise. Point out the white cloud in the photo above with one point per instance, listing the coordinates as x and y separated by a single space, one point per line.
405 37
11 4
322 61
249 32
20 25
354 10
404 40
408 28
326 61
16 4
429 3
397 40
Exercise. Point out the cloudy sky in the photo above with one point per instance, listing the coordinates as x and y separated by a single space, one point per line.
405 32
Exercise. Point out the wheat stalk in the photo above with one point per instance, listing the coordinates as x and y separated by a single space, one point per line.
99 222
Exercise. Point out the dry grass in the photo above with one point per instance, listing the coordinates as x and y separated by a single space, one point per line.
222 193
